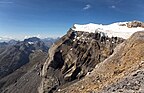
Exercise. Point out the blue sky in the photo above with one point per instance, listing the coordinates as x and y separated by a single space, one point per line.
52 18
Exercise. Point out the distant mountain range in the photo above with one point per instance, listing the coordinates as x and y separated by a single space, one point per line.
90 58
19 58
6 39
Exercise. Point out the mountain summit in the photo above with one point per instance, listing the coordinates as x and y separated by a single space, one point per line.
76 56
119 29
90 58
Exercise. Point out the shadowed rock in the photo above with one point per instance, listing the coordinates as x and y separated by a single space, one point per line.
73 56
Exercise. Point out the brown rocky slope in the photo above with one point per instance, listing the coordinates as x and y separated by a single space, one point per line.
82 62
121 72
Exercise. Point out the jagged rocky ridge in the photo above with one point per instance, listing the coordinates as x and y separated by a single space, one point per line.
77 54
122 72
82 61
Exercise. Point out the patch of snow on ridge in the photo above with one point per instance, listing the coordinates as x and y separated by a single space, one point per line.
30 43
114 29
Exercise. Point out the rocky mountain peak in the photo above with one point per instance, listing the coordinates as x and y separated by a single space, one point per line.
121 72
74 56
90 58
87 51
32 39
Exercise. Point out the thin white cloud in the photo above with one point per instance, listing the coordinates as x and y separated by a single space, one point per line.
114 1
113 6
5 38
87 7
38 36
4 2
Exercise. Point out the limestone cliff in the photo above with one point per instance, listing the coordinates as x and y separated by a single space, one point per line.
73 57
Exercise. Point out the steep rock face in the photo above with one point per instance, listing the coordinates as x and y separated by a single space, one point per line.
73 56
121 72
